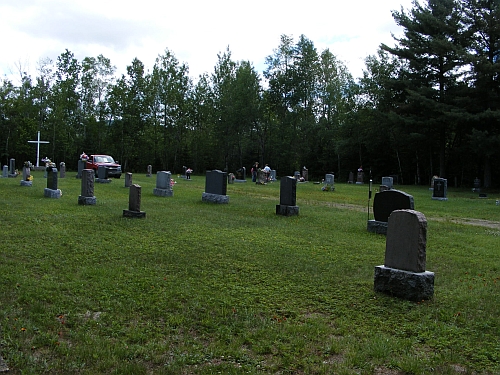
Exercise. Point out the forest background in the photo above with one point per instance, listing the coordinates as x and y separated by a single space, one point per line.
429 105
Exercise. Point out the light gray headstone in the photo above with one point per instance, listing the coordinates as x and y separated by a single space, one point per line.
62 170
329 179
163 180
12 166
128 179
5 171
387 181
406 241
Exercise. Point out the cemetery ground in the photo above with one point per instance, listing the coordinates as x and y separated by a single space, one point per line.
200 288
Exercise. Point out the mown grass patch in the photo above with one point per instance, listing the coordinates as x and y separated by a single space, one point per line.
198 288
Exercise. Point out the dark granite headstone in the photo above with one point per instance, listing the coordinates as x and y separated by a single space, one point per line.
128 179
351 178
440 189
12 166
81 167
87 198
216 182
134 203
288 191
52 178
387 201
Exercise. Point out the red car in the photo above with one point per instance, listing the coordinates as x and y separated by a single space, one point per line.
114 169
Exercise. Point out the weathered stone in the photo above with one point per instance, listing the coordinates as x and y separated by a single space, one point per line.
87 198
387 181
403 284
134 203
214 198
128 179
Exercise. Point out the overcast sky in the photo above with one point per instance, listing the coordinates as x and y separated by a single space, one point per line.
194 30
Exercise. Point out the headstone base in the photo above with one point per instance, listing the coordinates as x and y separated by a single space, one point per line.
103 180
240 180
379 227
284 210
50 193
404 284
359 183
215 198
26 183
439 199
134 214
87 201
12 175
163 192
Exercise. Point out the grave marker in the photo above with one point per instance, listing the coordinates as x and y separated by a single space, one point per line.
163 184
12 168
52 191
87 198
329 182
5 171
134 203
288 197
102 175
384 203
215 187
403 274
128 179
150 171
440 189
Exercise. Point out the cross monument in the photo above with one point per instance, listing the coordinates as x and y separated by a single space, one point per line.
38 148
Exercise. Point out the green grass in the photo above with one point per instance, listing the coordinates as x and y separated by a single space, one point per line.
198 288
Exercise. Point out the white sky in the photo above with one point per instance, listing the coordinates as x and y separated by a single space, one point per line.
194 30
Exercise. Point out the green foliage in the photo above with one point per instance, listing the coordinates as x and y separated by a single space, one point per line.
201 288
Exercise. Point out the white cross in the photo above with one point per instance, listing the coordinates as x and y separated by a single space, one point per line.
38 148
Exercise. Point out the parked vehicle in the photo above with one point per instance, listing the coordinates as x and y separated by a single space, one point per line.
114 169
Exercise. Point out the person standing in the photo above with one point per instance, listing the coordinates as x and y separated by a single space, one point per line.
255 167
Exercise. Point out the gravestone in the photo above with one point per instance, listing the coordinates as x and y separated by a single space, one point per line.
387 181
241 175
26 181
350 180
128 179
261 177
62 170
184 172
149 173
102 175
81 167
296 175
52 191
272 176
477 185
403 274
134 203
440 189
384 203
288 197
12 168
360 179
231 178
329 182
305 174
215 187
5 171
87 198
163 184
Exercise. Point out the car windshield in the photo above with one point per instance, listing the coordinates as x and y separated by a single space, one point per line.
104 159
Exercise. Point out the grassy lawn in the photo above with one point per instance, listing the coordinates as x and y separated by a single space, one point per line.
199 288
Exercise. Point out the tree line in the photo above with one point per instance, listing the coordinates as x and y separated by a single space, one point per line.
428 105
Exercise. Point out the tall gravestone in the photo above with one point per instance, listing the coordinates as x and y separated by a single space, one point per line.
288 197
360 179
150 171
305 174
87 198
261 177
62 170
241 175
163 184
272 176
384 203
215 187
12 168
440 189
5 171
403 274
81 167
134 203
128 179
52 191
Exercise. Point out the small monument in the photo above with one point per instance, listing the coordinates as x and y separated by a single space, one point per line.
215 187
261 177
134 203
149 173
384 203
403 274
12 168
350 180
241 175
360 179
387 183
128 179
51 191
296 175
5 171
102 175
305 173
230 178
62 170
440 189
288 197
329 182
477 185
272 176
81 167
87 198
163 184
27 179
